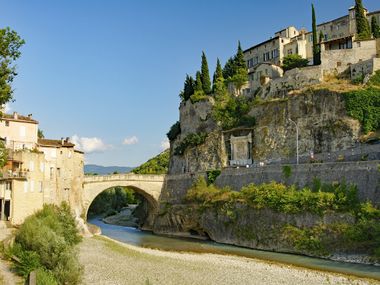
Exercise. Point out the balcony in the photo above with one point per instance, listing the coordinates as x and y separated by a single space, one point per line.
14 175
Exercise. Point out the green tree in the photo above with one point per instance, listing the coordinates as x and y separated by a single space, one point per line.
40 134
205 75
218 79
316 46
198 82
239 59
240 78
10 44
375 28
188 88
229 68
362 25
3 154
294 60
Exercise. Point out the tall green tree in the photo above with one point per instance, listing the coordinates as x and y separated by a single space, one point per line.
188 88
205 75
239 58
10 44
218 74
229 68
316 46
198 82
218 80
375 28
362 25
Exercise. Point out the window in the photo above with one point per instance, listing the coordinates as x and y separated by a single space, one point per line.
7 123
359 44
41 189
58 172
51 172
325 37
8 185
31 186
290 51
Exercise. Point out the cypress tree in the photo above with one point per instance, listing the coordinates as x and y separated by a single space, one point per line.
375 28
228 69
218 76
205 75
198 82
239 58
316 47
188 89
362 26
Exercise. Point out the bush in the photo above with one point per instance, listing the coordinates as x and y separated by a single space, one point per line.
364 105
232 112
212 175
191 140
294 60
46 241
45 277
174 131
287 171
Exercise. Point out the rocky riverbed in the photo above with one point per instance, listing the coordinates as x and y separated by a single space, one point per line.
110 262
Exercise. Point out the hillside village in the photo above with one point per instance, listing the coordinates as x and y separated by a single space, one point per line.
292 116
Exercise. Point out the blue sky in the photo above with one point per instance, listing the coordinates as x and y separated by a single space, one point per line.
108 72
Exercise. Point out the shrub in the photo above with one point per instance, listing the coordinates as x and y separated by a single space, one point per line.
212 175
46 241
191 140
294 60
233 112
45 277
364 105
287 171
174 131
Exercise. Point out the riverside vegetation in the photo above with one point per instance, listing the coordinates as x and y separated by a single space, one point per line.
45 243
358 232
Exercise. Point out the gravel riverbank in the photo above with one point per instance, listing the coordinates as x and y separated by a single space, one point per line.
110 262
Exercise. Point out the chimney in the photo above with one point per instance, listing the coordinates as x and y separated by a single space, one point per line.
67 139
15 115
30 116
62 141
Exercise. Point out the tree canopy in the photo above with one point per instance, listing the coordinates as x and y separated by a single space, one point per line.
362 25
205 75
10 44
375 28
294 60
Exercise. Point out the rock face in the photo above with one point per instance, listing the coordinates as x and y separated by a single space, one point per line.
320 115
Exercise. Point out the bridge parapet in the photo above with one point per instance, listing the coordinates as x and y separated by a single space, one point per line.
124 177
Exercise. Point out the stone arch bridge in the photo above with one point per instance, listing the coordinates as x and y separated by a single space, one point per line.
149 186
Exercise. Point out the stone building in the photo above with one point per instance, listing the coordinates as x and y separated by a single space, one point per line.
38 171
339 48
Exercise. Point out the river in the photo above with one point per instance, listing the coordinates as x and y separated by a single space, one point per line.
148 240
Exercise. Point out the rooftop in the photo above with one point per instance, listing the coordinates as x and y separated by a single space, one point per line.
55 143
18 118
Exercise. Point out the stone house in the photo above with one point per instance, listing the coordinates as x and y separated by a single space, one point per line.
38 171
339 48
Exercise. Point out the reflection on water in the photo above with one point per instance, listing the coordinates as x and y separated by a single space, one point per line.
146 239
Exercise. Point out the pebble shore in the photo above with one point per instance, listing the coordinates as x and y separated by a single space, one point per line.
110 262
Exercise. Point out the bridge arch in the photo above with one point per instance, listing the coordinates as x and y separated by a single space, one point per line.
148 186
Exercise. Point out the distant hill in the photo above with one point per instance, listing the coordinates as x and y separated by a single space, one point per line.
156 165
103 170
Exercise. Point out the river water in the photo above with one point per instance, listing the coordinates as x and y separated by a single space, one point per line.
146 239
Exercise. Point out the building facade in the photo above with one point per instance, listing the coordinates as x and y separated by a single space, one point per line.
337 34
38 171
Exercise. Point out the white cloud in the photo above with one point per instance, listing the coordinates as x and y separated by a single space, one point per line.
89 145
7 108
131 140
165 144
